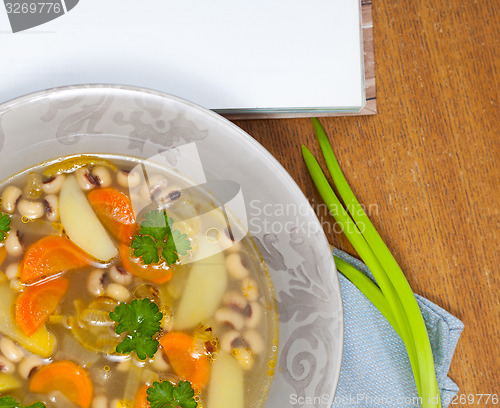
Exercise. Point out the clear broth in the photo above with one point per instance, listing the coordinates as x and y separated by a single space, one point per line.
118 377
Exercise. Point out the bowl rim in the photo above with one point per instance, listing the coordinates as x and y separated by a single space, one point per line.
271 160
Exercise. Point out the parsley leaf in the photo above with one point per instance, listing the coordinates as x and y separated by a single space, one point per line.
156 224
182 244
167 395
4 228
156 237
9 402
146 247
141 319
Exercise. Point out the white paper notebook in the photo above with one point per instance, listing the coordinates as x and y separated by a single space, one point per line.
227 55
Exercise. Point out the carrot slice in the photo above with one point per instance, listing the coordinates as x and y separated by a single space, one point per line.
36 303
3 254
156 273
66 377
187 358
114 210
51 255
141 398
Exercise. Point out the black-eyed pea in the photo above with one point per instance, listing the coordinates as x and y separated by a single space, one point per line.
95 283
236 247
235 266
244 357
13 244
119 275
250 289
122 178
85 179
128 179
51 203
157 185
100 401
31 210
227 243
9 198
168 196
6 366
12 271
254 315
10 350
230 317
228 339
118 292
28 366
54 184
102 176
234 300
254 341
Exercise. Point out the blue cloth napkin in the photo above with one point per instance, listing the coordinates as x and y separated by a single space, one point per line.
376 371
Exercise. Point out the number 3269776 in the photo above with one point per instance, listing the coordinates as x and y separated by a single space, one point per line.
34 8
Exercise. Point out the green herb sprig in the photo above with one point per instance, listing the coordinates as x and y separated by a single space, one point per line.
166 395
9 402
141 319
393 295
156 237
4 227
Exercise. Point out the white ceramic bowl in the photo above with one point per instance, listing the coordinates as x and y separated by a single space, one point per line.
137 122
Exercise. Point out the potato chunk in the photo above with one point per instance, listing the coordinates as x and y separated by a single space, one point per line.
225 389
203 293
81 223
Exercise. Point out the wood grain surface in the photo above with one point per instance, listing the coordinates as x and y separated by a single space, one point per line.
427 165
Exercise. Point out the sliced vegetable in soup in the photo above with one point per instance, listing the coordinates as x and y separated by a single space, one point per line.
114 293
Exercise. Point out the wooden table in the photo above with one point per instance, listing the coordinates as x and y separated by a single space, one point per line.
427 164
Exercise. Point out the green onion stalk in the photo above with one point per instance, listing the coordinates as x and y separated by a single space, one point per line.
393 296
